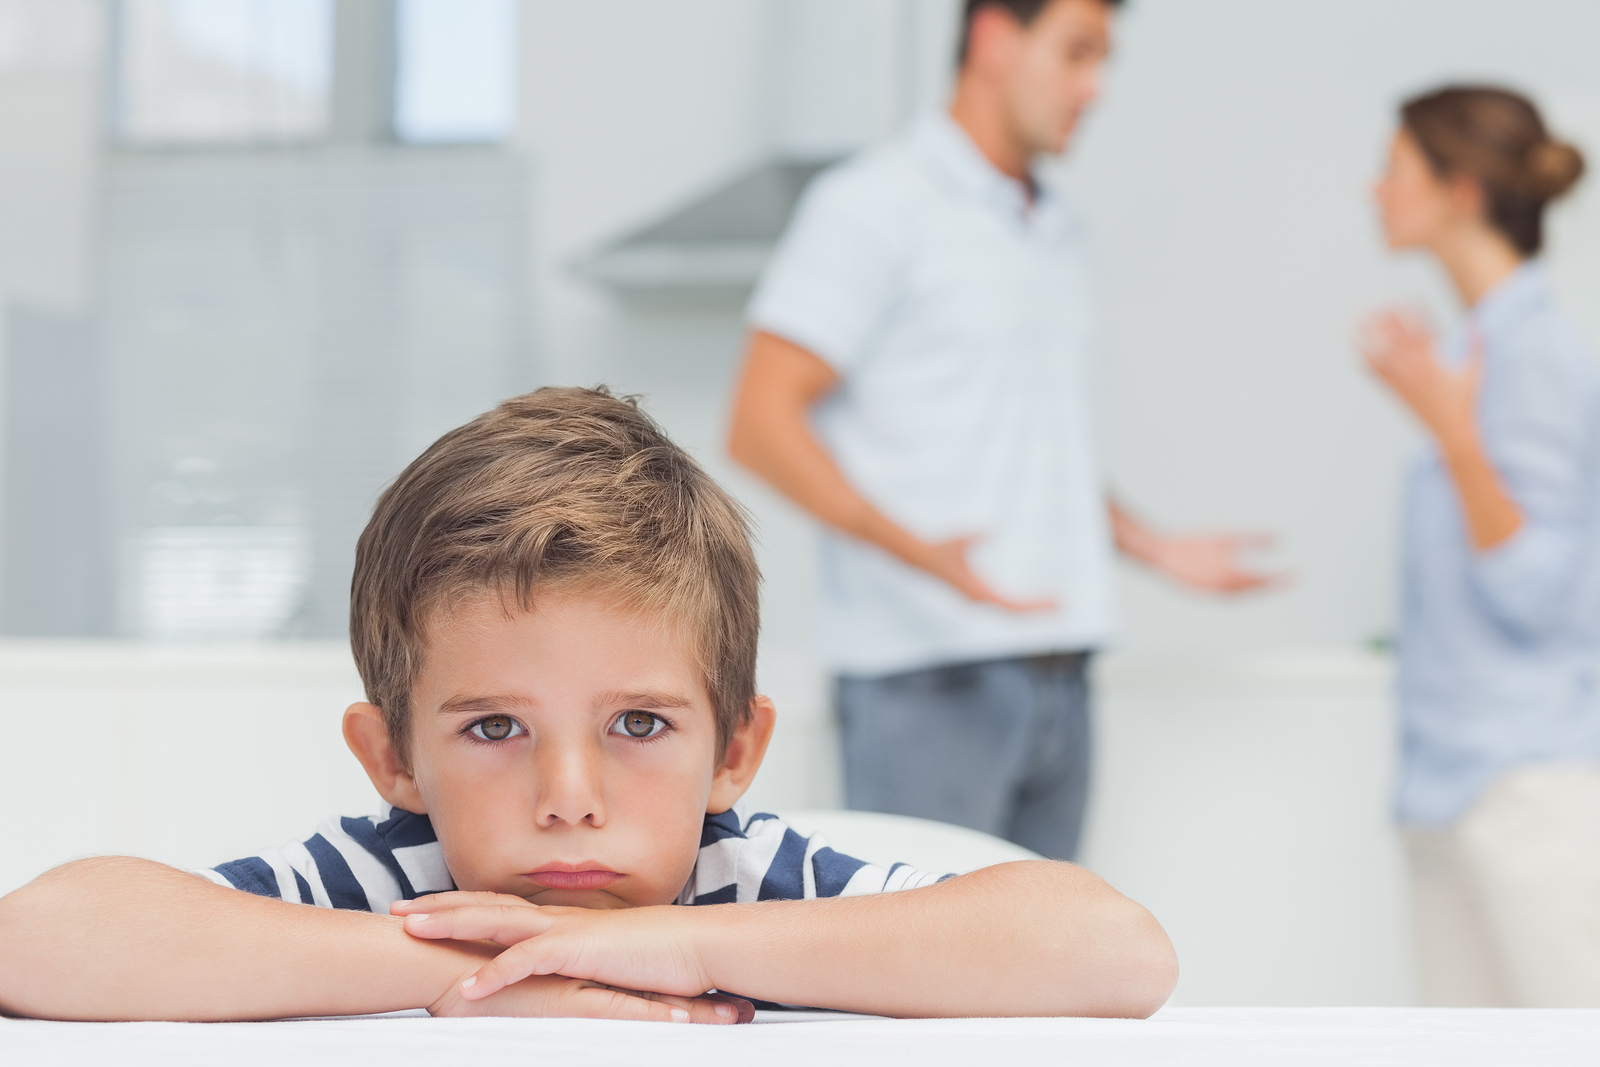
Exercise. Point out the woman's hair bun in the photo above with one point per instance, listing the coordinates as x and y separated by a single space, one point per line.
1554 167
1496 137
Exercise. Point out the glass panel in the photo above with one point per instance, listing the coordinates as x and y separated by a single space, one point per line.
282 333
219 71
455 70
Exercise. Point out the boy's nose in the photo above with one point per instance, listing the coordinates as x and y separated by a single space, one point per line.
570 789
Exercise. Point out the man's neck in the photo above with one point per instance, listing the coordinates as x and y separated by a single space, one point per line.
977 109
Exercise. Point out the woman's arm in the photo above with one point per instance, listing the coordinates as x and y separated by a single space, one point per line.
1401 352
771 437
1016 939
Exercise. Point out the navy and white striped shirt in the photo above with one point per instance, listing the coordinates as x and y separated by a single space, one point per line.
368 864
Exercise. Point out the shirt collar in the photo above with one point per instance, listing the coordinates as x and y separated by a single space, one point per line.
1520 292
949 152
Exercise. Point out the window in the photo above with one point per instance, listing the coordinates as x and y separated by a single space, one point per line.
455 70
210 71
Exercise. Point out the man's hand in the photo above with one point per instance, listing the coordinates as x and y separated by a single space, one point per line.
947 561
572 961
770 434
1210 562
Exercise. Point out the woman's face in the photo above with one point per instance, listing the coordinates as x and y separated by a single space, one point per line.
1416 206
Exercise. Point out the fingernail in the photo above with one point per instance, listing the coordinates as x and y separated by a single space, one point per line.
420 916
724 1010
468 983
679 1015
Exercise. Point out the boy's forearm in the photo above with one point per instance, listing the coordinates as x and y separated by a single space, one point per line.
1035 938
118 938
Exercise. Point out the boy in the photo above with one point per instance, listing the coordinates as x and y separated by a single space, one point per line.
554 612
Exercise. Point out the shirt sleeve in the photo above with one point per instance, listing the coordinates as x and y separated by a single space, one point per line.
761 857
838 268
1540 435
355 864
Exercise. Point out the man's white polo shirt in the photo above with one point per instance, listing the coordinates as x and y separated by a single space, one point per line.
959 319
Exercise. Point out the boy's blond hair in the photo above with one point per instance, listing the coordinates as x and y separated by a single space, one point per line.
560 489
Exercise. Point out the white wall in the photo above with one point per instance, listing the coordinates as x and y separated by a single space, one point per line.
50 137
49 157
1226 175
629 107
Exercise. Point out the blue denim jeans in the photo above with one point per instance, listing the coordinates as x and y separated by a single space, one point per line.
1001 746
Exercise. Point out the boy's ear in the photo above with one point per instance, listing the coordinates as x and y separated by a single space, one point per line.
746 748
368 737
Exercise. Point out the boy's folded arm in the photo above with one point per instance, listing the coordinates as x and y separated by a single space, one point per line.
1028 938
120 938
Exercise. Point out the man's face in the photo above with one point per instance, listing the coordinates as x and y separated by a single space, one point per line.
565 755
1050 71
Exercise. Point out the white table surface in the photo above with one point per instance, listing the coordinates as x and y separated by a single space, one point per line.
1233 1036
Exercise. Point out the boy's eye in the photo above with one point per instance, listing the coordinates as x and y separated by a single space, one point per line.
638 724
496 728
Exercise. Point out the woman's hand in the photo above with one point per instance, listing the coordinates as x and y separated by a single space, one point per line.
576 961
1400 350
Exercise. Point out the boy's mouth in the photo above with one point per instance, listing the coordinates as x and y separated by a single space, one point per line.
574 876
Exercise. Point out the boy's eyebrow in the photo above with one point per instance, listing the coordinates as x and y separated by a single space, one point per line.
481 705
642 699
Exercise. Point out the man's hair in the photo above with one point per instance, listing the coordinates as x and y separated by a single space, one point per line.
560 490
1024 11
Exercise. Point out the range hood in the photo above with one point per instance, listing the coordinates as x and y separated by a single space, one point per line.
714 246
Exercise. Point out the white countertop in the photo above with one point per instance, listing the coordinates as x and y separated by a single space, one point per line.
1237 1037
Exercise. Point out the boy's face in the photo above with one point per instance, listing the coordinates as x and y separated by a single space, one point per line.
566 755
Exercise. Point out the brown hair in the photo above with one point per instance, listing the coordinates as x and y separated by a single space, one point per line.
1497 138
558 489
1024 11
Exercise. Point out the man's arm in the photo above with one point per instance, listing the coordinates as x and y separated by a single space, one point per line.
771 436
1016 939
118 938
1206 562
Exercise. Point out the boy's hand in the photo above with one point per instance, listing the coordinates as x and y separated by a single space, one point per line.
557 996
599 956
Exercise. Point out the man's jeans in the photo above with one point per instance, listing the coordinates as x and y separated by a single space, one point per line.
1001 746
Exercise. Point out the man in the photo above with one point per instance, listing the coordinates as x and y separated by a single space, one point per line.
929 307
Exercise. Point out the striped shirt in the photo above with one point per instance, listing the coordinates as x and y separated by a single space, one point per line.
368 864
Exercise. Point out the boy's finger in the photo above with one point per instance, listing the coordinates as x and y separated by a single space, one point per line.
513 965
743 1010
453 899
711 1008
605 1003
503 924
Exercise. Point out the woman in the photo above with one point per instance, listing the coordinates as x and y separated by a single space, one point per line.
1500 632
